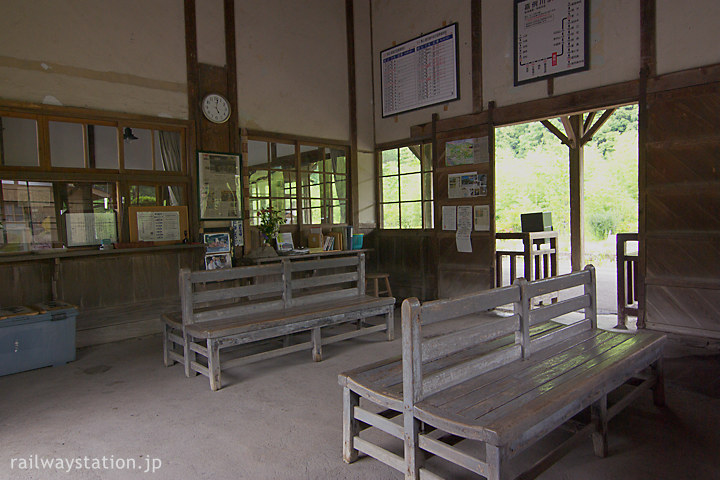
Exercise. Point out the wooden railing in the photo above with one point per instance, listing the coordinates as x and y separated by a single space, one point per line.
539 256
627 279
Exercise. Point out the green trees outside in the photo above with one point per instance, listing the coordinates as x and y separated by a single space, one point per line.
532 175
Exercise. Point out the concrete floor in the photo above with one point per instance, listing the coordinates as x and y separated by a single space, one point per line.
281 419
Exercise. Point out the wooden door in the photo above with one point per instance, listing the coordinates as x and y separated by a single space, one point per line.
680 211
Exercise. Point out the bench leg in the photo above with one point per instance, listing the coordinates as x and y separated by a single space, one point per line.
351 427
166 346
599 415
494 460
316 344
413 454
214 364
189 355
390 320
659 388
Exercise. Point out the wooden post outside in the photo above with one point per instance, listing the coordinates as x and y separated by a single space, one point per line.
576 196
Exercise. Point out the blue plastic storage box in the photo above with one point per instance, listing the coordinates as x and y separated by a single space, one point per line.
36 337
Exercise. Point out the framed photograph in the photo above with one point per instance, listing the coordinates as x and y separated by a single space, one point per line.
217 242
217 261
219 186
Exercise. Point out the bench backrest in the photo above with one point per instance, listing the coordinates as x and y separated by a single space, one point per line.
436 363
222 294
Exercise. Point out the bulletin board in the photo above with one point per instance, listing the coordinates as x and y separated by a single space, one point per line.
158 224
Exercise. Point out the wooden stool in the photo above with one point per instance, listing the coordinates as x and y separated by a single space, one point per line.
375 277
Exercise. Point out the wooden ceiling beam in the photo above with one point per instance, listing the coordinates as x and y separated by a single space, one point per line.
596 126
556 131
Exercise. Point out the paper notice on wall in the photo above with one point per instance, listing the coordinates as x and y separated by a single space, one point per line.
464 228
449 218
482 218
158 226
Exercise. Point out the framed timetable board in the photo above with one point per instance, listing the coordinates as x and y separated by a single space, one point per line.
552 38
420 72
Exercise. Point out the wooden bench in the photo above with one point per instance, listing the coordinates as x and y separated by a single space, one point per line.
497 385
226 308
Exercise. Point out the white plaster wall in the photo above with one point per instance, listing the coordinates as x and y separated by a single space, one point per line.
292 67
127 56
402 20
687 34
614 52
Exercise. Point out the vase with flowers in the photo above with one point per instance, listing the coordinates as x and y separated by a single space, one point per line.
269 221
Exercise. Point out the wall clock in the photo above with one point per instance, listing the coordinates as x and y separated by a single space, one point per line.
216 108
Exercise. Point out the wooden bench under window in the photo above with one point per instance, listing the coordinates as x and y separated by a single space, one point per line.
231 307
498 385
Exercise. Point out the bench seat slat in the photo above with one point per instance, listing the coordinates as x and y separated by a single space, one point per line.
501 424
233 326
534 375
241 310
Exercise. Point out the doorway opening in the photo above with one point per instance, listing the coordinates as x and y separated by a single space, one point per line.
532 174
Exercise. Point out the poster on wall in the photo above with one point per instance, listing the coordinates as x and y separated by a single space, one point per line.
482 218
467 151
552 38
158 226
467 185
219 186
420 72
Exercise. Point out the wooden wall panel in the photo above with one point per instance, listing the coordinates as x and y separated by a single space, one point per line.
680 209
25 283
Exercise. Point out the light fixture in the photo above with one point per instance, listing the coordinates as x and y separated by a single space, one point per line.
128 135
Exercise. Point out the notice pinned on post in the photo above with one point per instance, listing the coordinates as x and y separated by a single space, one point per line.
464 228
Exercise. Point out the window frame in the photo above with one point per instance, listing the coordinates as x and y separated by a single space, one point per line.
427 193
120 177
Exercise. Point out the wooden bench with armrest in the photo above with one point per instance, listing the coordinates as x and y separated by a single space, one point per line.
225 308
499 385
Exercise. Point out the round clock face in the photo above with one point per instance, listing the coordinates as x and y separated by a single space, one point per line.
216 108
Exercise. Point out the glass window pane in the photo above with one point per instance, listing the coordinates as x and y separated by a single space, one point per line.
427 186
138 151
18 142
81 199
28 214
282 156
67 145
310 158
257 153
259 183
427 157
339 214
255 206
428 215
103 142
287 206
337 188
172 195
143 195
335 160
390 189
312 216
411 215
389 162
410 187
391 215
410 159
168 151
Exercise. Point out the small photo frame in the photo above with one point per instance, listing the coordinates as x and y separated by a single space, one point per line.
217 242
218 261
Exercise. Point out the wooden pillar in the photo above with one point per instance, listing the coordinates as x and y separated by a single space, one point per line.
576 195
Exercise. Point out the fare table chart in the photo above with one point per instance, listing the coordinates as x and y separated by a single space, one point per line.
420 72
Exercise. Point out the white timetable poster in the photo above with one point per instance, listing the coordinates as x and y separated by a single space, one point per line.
158 226
420 72
550 38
